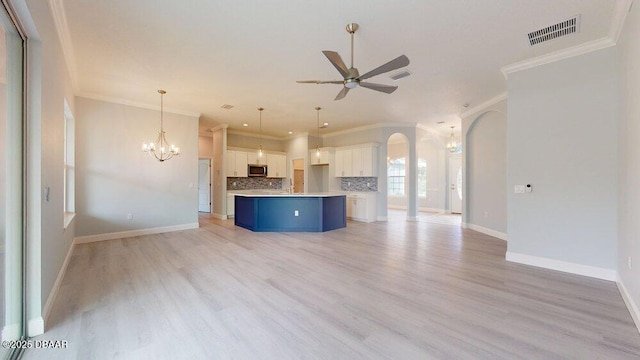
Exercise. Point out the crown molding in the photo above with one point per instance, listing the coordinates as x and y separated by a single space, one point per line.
219 127
369 127
494 100
62 28
622 8
136 104
254 135
581 49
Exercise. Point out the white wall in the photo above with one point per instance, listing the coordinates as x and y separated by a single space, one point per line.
205 147
116 178
562 139
431 149
219 166
297 148
629 161
485 148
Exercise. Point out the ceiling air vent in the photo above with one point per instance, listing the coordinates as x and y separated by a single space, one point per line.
227 106
400 75
560 29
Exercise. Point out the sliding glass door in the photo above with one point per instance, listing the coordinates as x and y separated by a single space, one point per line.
11 183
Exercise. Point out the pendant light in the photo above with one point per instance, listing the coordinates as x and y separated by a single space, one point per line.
159 149
452 145
260 153
318 108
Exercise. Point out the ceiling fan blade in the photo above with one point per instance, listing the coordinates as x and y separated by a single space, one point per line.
379 87
319 82
336 60
396 63
342 93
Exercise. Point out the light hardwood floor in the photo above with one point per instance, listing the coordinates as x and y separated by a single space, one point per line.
385 290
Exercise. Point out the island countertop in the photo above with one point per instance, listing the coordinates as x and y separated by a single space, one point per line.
271 193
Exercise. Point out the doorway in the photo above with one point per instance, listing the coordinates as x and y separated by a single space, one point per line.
298 176
455 184
204 185
12 175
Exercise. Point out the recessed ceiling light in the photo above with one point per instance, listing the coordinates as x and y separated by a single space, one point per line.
290 132
245 124
326 124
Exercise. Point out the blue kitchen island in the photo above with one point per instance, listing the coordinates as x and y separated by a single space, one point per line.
291 212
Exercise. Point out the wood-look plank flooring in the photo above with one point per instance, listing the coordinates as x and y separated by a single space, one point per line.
385 290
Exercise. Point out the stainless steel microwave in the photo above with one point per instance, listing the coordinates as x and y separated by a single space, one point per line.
257 170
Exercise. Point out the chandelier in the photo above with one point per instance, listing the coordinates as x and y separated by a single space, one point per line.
452 145
160 148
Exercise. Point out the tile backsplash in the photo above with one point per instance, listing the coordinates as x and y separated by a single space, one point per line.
359 184
253 183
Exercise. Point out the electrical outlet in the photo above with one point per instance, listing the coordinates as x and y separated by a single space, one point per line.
629 264
129 216
349 183
234 183
296 213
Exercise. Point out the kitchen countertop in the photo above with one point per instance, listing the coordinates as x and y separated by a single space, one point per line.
272 193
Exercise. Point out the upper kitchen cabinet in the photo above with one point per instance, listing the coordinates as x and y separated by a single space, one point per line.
321 157
236 163
276 166
254 159
357 161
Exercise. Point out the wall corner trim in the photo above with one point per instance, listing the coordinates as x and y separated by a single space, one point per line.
46 310
581 49
564 266
35 326
628 300
486 231
132 233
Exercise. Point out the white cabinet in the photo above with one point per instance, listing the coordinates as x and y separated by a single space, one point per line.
277 166
254 159
343 163
236 163
231 204
323 159
361 206
357 161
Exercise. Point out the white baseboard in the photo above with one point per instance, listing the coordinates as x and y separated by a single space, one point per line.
219 216
412 218
564 266
11 332
432 210
132 233
382 218
484 230
631 305
35 327
56 285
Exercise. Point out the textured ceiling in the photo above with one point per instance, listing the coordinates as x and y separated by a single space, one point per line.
248 54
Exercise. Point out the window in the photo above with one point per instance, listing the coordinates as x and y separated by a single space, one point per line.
396 177
422 178
69 166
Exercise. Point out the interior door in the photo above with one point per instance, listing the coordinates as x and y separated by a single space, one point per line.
204 185
298 181
455 184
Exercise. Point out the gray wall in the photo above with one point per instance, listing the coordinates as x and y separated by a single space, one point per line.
562 139
116 178
629 159
485 148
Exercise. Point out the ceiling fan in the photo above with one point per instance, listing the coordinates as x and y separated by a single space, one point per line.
352 77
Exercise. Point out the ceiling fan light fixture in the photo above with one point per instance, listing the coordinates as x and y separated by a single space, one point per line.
351 83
